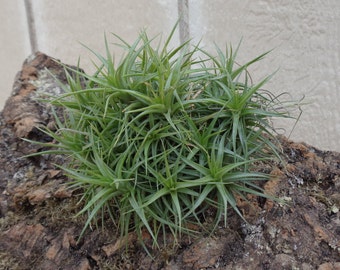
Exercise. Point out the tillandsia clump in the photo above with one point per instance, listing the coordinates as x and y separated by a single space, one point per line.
162 136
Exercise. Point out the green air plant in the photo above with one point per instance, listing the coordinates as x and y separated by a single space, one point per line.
159 138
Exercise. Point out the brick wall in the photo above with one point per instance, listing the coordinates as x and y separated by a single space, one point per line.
304 36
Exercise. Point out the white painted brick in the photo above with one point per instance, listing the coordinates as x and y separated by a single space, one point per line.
14 44
62 25
305 36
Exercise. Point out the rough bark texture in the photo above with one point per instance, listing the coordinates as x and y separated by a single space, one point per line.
39 230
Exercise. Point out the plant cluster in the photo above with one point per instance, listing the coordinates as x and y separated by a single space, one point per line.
159 138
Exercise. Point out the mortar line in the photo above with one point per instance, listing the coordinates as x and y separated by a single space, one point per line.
183 13
31 26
